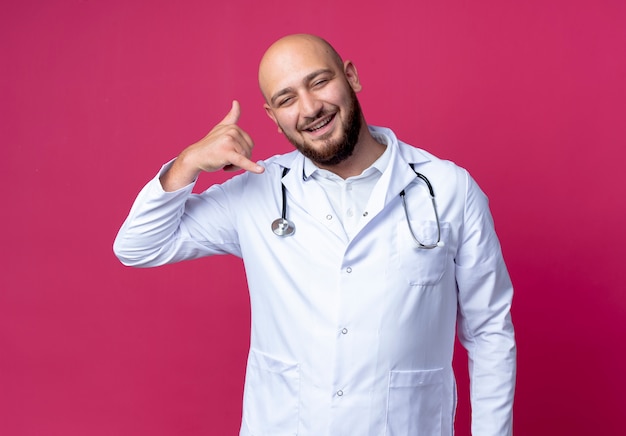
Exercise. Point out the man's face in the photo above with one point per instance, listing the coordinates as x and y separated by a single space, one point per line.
311 96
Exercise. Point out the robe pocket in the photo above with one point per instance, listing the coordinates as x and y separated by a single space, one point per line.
415 403
422 266
271 396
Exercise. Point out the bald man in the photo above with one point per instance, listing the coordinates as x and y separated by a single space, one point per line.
365 256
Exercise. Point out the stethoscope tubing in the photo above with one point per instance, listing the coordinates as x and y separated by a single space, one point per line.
431 191
283 227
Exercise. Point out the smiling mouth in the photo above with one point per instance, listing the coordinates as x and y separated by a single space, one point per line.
320 124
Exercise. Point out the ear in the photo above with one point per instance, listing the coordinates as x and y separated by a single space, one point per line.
270 113
352 75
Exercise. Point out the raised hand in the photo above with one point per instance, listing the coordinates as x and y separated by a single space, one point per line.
226 146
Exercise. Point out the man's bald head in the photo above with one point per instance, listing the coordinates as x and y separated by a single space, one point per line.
288 53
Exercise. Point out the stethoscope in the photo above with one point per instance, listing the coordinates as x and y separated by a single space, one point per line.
283 227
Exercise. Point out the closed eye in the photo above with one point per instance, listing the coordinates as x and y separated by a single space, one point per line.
285 101
320 83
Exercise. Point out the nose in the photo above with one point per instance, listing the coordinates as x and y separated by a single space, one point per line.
310 106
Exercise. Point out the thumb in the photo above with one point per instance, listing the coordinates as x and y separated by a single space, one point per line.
233 116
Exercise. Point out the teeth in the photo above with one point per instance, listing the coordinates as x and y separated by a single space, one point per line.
320 125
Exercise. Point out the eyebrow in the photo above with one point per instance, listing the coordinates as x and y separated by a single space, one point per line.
306 79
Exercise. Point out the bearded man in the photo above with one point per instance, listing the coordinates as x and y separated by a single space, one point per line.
381 254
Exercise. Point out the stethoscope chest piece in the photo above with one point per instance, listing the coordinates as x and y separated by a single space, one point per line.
283 227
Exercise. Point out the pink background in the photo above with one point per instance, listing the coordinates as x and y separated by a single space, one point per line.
96 95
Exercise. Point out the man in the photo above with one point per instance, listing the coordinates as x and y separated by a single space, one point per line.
357 293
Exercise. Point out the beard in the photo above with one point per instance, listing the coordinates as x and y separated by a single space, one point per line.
334 152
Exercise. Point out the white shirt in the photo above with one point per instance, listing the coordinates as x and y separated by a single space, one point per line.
349 197
351 335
